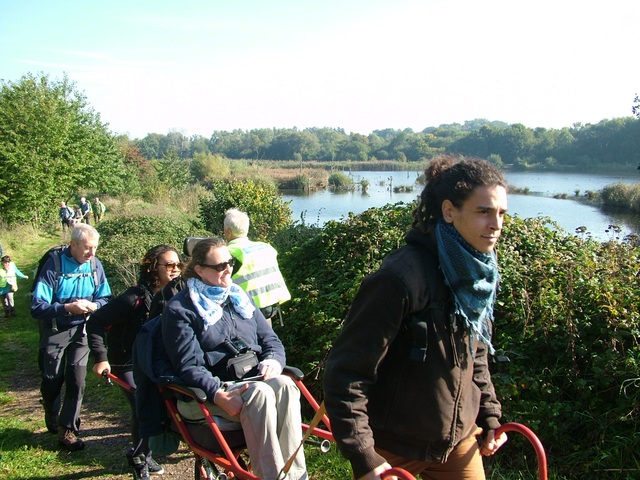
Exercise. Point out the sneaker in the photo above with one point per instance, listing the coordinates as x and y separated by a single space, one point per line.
51 421
154 467
139 465
68 439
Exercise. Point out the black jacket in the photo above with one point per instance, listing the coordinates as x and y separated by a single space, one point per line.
401 373
119 321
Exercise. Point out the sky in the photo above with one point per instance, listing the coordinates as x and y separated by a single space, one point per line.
197 66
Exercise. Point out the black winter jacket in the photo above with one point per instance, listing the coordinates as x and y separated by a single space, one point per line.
385 385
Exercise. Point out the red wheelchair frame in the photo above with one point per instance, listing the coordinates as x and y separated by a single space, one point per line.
219 457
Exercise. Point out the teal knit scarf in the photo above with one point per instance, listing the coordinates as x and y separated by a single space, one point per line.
473 277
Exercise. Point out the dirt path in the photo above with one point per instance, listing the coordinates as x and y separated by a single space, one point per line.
106 433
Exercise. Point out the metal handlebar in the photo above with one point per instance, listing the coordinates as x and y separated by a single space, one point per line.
533 439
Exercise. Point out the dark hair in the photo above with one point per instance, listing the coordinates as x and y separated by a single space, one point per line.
149 265
199 255
454 179
5 259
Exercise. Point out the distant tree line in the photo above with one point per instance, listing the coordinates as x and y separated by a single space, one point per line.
607 143
54 147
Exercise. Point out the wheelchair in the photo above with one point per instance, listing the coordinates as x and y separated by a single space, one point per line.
219 455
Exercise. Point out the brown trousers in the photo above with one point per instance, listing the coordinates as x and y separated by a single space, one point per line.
464 463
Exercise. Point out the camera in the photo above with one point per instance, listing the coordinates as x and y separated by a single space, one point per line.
236 346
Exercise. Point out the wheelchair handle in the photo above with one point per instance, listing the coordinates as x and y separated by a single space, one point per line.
533 439
399 473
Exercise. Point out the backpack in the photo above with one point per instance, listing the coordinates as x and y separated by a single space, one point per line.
55 252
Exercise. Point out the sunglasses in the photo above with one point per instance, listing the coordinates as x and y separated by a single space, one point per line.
219 267
170 266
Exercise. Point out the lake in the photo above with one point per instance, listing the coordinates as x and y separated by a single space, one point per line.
322 206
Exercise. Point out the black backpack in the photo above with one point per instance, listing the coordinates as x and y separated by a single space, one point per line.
55 252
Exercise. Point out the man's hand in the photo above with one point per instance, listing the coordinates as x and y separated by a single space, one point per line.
231 401
101 367
80 307
491 444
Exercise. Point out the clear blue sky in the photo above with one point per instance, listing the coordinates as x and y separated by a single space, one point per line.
196 66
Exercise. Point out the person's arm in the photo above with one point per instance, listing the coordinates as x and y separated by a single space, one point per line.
19 273
115 312
181 344
490 409
373 321
43 305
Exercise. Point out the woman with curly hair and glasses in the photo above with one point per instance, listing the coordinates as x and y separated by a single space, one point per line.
119 321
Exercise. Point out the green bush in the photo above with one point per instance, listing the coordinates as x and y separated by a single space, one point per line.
340 180
124 241
267 211
323 275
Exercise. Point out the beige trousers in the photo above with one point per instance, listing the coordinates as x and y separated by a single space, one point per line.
271 422
464 463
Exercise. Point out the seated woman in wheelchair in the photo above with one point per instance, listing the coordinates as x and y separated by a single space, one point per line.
218 341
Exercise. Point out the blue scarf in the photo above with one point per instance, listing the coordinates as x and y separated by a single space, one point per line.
473 277
209 299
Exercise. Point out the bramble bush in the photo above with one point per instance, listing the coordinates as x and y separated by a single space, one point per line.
566 317
125 239
323 275
268 212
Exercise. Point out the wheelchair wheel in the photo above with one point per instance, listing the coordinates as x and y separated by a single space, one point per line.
205 470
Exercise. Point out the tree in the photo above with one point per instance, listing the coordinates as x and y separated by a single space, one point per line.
268 212
52 145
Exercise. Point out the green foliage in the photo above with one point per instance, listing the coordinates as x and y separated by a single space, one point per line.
206 167
340 180
325 271
622 195
268 212
174 171
52 144
299 182
124 241
567 316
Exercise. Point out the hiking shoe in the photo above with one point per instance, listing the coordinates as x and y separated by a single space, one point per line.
51 421
67 439
154 467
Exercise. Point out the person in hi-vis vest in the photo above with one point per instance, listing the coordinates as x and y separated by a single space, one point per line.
256 268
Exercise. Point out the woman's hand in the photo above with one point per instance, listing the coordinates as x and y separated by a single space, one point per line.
231 401
491 444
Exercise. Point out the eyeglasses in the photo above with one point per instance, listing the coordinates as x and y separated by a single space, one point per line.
170 266
219 267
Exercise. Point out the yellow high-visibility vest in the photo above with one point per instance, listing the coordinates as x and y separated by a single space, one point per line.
259 274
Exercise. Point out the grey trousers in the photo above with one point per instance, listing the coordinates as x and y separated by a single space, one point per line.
272 426
63 360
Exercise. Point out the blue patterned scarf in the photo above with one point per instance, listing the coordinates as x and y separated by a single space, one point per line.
473 277
208 300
